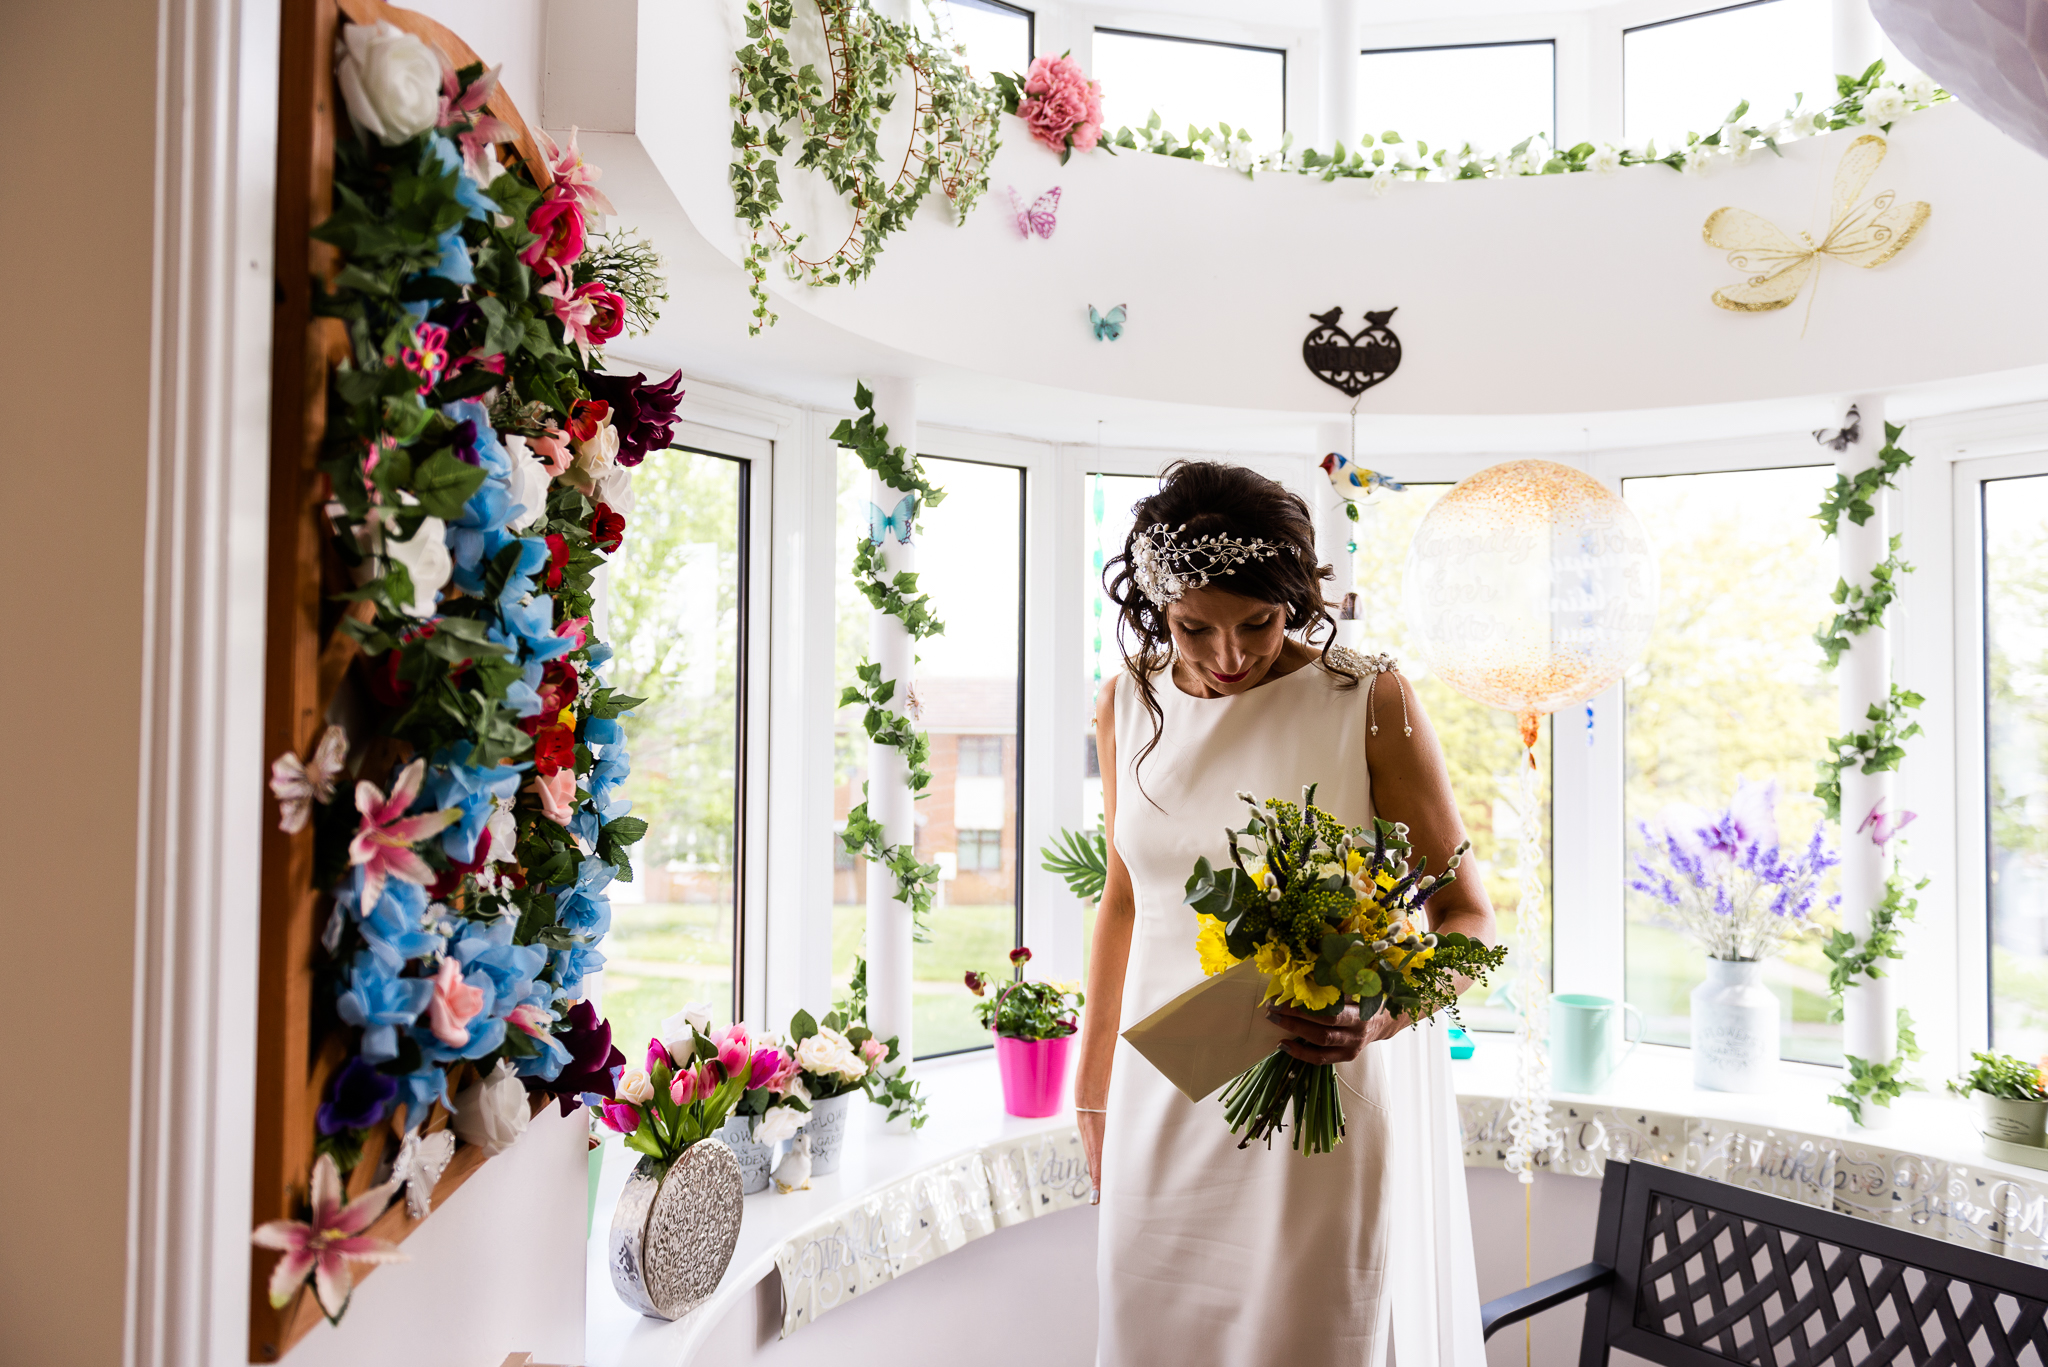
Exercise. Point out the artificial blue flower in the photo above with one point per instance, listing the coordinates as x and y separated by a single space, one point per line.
420 1090
533 623
582 905
442 152
487 946
585 825
454 266
398 924
570 965
452 782
533 557
380 1002
548 1063
522 695
484 442
600 654
602 731
478 534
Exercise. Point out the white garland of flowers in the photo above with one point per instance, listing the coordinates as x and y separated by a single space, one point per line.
1865 100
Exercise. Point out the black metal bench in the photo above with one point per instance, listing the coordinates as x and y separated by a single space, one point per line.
1689 1272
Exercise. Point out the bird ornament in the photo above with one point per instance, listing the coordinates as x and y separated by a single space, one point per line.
793 1173
1353 482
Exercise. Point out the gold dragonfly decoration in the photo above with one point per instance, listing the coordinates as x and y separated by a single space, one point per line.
1861 232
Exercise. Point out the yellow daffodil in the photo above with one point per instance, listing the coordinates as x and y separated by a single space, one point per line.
1215 954
1306 991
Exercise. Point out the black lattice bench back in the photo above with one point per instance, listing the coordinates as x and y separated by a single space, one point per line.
1690 1272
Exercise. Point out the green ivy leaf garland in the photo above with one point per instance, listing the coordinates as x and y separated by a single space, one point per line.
1874 751
1879 1083
1861 607
836 122
1851 494
1850 958
898 597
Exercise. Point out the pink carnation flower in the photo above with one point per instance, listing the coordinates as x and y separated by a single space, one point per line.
1062 107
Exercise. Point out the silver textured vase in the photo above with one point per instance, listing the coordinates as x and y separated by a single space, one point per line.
673 1234
755 1158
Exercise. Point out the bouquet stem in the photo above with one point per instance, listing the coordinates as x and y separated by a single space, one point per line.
1257 1102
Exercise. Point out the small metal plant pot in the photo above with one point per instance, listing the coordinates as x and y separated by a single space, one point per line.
2015 1122
673 1233
755 1159
827 1129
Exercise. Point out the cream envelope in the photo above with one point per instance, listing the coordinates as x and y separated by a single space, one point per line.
1210 1033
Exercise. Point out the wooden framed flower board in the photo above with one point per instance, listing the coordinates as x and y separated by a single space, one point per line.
309 657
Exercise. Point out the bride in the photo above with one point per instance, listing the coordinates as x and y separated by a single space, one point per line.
1211 1254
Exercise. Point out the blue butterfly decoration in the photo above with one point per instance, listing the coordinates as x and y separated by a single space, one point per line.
880 524
1108 326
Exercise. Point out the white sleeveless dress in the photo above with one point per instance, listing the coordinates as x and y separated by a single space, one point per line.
1209 1254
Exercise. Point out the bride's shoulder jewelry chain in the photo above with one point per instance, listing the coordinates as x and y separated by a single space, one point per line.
1166 564
1374 666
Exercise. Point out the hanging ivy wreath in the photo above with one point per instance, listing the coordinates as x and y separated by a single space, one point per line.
835 122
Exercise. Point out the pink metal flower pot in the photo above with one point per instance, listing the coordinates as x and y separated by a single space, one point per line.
1034 1074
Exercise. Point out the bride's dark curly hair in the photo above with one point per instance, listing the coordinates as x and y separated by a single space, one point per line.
1204 497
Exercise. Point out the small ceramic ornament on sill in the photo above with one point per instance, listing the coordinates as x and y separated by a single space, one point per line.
1033 1023
1723 878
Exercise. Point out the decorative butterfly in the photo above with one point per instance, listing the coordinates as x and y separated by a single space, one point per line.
1866 233
880 524
421 1161
1041 217
1108 326
1843 437
1883 825
298 786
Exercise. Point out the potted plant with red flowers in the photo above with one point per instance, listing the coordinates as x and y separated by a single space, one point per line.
1032 1024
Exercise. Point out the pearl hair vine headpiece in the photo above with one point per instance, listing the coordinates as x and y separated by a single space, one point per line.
1165 566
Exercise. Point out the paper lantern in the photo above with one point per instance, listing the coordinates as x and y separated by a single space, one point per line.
1530 586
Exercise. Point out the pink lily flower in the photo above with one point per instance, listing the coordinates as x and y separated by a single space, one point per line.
455 1005
576 629
574 173
531 1017
325 1246
383 843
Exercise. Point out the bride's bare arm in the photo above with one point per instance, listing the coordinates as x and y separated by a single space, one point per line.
1108 953
1411 784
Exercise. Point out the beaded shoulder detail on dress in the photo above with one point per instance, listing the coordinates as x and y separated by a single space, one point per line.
1348 659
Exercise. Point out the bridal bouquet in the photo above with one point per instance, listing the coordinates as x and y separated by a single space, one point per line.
1327 914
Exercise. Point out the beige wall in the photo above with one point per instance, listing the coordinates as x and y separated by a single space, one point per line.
77 92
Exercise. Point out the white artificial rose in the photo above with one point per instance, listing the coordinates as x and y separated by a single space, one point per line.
1883 104
635 1086
1816 122
425 557
678 1034
1695 161
1382 178
1921 89
615 489
1736 143
492 1113
530 480
818 1055
781 1122
593 458
797 1090
391 81
1606 161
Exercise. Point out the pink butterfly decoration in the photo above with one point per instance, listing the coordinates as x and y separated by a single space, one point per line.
298 786
1883 825
1041 217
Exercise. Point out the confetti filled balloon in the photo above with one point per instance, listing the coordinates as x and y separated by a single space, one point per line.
1530 586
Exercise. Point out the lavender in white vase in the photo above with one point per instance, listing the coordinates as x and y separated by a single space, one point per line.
1724 878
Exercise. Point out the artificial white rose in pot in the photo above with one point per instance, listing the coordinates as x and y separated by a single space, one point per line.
390 80
492 1112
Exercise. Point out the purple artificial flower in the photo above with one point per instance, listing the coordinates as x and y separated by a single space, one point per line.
588 1038
644 414
359 1097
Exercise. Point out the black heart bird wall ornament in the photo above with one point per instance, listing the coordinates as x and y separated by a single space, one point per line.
1352 361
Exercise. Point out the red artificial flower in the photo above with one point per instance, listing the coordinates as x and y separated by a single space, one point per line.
1020 956
607 528
554 749
557 226
558 557
385 685
607 312
586 416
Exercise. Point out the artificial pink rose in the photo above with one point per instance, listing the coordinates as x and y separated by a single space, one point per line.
1062 107
455 1005
557 794
557 225
784 1077
552 450
873 1050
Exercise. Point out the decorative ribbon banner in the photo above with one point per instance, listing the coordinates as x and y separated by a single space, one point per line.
1963 1204
926 1215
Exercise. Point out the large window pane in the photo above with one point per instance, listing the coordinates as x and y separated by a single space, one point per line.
1482 745
1190 82
1732 687
996 37
969 559
2016 743
1491 95
1685 75
675 605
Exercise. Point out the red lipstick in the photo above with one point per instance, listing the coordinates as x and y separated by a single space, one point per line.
1230 678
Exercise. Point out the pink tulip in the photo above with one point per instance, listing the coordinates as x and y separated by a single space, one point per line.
383 843
733 1051
689 1085
325 1246
767 1062
455 1005
873 1050
657 1054
621 1116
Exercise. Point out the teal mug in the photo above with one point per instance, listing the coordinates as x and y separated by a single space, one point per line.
1584 1037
